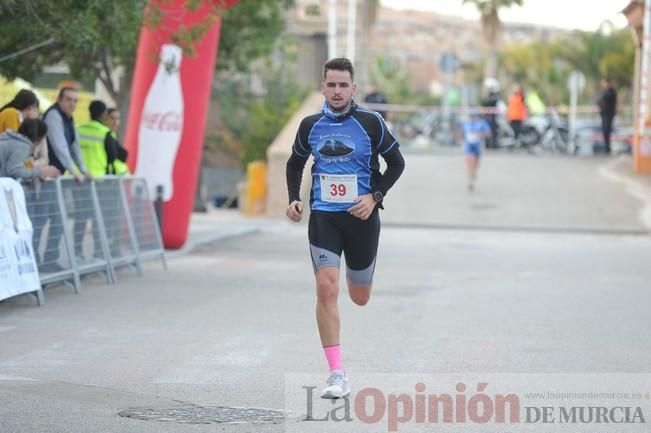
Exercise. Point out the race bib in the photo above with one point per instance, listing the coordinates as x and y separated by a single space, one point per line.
473 137
338 188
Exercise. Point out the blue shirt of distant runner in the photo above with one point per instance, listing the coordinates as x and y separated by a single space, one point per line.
474 131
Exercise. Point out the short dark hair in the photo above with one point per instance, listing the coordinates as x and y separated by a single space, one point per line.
64 90
339 64
96 109
24 99
34 129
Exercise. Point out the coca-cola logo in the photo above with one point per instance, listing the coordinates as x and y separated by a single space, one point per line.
168 121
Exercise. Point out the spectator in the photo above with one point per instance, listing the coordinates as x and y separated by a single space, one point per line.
375 96
607 108
23 106
63 140
489 114
37 206
16 150
64 153
119 164
517 110
98 147
98 150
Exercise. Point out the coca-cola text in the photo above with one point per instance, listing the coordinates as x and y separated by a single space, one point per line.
169 121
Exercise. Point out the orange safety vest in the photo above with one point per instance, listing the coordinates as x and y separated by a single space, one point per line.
517 108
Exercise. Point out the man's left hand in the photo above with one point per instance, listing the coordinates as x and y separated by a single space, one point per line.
364 207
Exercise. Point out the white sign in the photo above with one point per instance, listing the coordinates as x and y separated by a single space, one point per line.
338 188
161 124
18 271
576 80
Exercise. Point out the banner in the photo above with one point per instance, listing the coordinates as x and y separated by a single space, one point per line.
18 271
167 116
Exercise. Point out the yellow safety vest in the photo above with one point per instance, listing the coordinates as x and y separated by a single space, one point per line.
91 141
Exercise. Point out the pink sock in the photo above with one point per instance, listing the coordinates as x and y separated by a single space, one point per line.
333 354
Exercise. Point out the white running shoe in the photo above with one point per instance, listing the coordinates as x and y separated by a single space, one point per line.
338 385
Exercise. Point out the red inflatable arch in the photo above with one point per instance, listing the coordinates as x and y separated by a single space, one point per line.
167 115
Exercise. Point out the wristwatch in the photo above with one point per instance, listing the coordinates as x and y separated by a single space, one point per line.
377 196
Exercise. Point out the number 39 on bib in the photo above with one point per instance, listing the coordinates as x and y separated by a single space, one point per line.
338 188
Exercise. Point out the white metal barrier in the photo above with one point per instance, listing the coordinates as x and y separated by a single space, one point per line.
145 223
92 227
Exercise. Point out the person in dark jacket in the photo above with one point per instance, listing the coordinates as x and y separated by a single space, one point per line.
375 96
65 154
489 114
607 108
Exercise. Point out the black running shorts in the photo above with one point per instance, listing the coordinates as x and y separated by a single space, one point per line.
331 233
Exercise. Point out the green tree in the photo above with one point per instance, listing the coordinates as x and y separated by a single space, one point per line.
394 82
546 66
537 67
491 27
250 31
606 52
249 121
97 37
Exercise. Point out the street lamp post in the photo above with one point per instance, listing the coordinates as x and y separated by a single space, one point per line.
352 30
332 29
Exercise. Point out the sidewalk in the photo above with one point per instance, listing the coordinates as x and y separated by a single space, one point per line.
620 170
220 224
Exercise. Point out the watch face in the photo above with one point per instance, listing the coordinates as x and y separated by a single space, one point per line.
377 196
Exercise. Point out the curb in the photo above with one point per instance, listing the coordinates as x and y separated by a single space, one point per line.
632 186
192 246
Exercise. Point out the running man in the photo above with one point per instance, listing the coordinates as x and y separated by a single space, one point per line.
475 131
347 190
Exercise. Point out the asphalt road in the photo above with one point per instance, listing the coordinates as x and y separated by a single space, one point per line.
230 322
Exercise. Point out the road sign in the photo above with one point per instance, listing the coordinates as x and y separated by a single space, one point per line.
576 80
449 63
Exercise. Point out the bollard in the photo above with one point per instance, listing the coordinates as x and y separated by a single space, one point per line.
256 174
158 205
200 195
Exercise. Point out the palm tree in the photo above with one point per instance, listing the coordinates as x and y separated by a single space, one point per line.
491 27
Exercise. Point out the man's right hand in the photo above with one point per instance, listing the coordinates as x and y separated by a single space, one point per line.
49 171
79 178
295 211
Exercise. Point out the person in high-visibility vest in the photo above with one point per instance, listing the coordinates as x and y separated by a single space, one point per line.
98 145
517 110
113 119
98 152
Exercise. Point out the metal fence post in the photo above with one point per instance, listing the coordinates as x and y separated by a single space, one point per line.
132 231
67 237
102 233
